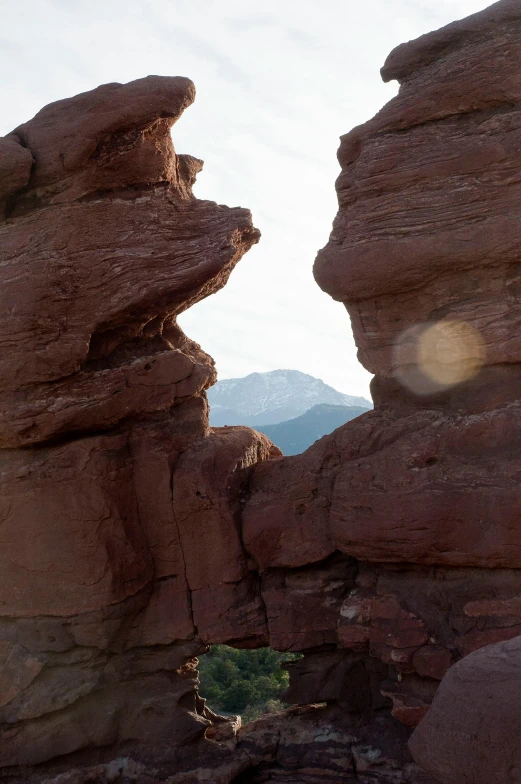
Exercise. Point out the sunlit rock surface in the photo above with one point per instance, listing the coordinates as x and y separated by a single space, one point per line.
424 491
101 250
113 574
134 535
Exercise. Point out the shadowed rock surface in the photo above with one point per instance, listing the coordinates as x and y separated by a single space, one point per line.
103 608
134 535
424 491
475 713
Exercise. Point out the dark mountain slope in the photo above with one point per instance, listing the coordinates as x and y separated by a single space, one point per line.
297 434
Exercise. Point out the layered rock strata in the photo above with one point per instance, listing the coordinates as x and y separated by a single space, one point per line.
119 505
423 493
134 536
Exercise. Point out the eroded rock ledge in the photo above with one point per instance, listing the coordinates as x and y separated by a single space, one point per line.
134 535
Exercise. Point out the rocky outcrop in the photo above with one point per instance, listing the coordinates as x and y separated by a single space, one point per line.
423 492
119 505
474 714
134 535
103 248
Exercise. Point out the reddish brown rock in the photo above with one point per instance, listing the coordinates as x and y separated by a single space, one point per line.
115 246
302 605
15 167
411 622
71 537
424 491
382 624
426 478
426 228
120 517
423 488
324 744
339 678
112 137
471 733
206 498
134 535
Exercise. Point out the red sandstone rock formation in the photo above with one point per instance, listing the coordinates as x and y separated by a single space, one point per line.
424 490
471 733
113 574
108 245
133 535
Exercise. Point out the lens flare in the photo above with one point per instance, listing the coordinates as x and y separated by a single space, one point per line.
429 358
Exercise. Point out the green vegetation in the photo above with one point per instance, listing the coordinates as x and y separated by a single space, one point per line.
248 683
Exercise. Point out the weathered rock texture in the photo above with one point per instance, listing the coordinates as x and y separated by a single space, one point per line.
475 714
422 494
133 535
121 545
103 247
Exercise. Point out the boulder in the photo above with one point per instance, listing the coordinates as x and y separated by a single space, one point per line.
471 732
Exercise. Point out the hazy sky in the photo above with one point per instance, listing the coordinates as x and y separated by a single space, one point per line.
278 82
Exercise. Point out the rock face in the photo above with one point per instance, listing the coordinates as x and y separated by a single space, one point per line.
109 246
475 713
134 535
106 567
423 492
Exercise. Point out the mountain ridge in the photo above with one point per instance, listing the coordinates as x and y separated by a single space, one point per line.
262 399
296 435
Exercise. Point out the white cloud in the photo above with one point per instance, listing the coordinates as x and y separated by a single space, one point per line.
277 84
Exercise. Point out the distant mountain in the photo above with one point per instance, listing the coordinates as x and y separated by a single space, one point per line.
294 436
269 398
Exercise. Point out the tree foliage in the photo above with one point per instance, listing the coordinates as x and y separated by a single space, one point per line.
244 682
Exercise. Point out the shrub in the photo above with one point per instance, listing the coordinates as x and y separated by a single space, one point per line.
243 682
